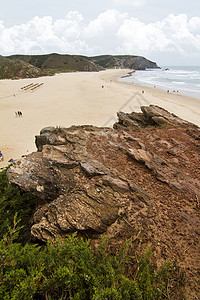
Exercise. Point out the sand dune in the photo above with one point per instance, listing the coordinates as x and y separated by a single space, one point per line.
75 99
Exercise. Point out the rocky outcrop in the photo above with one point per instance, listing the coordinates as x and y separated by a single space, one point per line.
151 115
141 181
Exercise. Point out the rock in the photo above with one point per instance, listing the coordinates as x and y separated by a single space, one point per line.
151 115
140 155
84 193
116 184
124 183
160 120
126 121
93 168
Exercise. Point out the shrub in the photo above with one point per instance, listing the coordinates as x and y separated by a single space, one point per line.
12 200
72 270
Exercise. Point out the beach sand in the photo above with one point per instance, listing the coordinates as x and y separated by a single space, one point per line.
75 99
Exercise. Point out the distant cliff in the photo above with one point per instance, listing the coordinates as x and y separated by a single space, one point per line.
124 62
28 66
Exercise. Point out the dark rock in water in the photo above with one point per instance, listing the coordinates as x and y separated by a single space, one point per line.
141 181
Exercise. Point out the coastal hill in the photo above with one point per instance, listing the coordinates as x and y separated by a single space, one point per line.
123 62
15 69
58 62
29 66
138 181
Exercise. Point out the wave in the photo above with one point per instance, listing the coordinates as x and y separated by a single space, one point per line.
187 79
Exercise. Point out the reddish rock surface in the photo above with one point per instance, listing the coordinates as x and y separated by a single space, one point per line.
140 181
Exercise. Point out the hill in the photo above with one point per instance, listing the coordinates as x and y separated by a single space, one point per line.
124 62
28 66
14 69
59 62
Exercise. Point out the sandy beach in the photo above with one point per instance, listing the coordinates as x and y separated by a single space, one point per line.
75 99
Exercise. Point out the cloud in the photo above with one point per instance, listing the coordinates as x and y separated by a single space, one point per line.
136 3
42 35
110 32
194 25
172 34
106 23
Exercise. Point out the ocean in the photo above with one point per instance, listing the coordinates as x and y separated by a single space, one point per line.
185 80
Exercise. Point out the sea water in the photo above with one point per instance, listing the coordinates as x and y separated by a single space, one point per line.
183 80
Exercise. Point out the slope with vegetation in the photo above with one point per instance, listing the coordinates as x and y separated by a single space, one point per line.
58 62
28 66
15 69
73 269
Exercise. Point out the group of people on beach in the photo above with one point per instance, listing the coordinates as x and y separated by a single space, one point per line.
18 113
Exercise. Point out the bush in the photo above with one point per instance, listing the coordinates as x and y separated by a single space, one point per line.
72 270
12 200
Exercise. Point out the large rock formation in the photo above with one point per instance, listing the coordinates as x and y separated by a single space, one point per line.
139 181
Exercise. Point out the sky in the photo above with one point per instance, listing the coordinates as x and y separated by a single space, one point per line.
164 31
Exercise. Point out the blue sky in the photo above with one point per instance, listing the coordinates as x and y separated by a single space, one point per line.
167 32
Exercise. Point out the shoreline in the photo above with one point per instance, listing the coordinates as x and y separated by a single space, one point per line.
137 78
79 98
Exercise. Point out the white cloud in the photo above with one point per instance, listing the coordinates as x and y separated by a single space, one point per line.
135 3
111 32
172 34
106 23
42 35
194 25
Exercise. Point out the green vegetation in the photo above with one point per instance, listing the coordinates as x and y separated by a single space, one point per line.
12 200
54 62
73 270
105 61
30 66
15 69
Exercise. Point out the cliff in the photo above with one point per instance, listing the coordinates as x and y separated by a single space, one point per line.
124 62
140 181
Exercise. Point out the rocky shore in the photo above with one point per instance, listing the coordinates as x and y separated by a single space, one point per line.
138 181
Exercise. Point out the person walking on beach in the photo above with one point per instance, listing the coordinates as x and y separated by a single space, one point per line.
1 156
